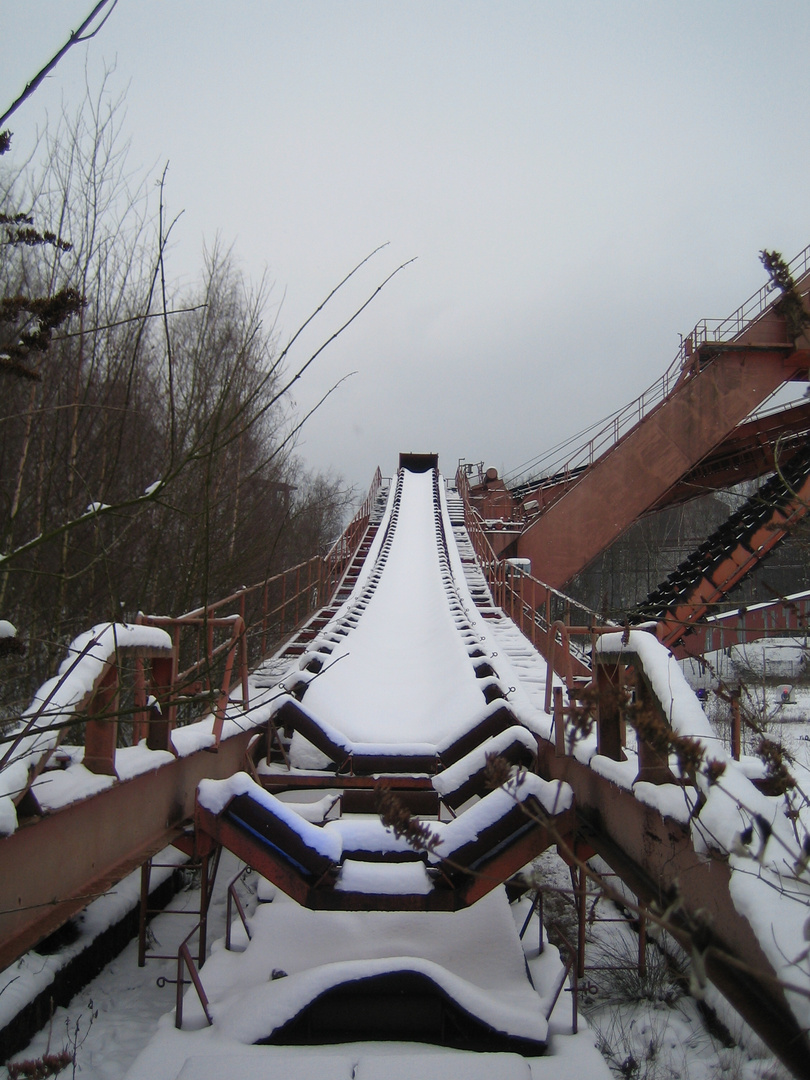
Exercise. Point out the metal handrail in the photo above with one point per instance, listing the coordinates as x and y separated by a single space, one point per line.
304 588
529 602
706 331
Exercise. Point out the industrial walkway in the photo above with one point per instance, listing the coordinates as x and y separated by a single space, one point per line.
366 699
396 697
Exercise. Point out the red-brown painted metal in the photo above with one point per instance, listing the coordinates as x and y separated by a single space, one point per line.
481 866
54 867
654 456
101 731
777 618
736 565
655 857
748 453
519 852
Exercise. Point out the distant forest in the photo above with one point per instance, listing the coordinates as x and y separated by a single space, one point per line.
147 437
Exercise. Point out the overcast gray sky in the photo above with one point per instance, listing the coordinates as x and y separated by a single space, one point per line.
579 181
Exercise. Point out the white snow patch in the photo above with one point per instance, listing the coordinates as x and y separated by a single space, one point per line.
387 879
215 795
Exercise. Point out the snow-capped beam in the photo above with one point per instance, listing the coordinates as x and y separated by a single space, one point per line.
52 870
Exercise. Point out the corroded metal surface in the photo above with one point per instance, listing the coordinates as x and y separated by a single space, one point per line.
52 868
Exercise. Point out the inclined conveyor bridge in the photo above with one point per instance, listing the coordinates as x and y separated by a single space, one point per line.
429 721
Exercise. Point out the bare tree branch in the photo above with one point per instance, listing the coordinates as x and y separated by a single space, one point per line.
76 38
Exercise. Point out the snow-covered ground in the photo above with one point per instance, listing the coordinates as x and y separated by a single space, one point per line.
122 1023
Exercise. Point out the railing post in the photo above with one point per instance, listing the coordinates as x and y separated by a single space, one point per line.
204 898
609 734
176 646
582 921
140 719
559 723
243 666
209 647
162 715
736 727
178 992
101 730
224 692
145 875
653 765
184 957
264 621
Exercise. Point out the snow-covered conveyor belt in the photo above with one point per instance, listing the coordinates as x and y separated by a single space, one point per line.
409 767
410 681
399 682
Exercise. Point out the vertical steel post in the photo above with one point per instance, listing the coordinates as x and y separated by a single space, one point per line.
559 723
582 920
161 716
204 887
209 647
609 720
145 876
540 944
243 664
642 941
101 730
264 621
140 720
736 727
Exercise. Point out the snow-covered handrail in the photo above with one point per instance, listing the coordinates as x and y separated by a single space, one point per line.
533 606
82 676
763 839
673 694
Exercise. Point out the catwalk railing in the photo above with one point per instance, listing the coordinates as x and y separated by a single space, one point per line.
683 367
537 609
145 694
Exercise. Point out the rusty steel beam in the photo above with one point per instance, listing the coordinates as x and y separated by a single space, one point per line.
747 454
280 781
652 457
771 619
312 884
517 854
740 561
53 868
655 857
260 857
